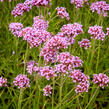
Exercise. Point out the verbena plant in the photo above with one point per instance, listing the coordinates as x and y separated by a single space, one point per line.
54 54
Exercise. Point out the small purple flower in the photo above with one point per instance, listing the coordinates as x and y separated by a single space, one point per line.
79 3
72 30
21 81
96 32
47 90
82 87
3 82
39 23
101 79
15 28
47 72
32 66
61 11
85 43
101 7
78 76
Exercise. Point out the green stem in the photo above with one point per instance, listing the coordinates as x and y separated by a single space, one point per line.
53 94
92 98
20 99
98 57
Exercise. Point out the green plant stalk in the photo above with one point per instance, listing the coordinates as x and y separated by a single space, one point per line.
60 94
92 98
98 57
20 98
53 93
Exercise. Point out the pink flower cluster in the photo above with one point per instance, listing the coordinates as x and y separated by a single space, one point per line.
82 80
70 61
107 31
61 69
39 23
101 79
101 7
21 8
3 82
40 2
32 66
15 28
61 11
79 3
96 32
52 46
21 81
72 30
47 90
36 37
85 43
47 72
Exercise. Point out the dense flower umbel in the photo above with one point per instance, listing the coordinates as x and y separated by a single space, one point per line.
82 87
61 11
61 69
107 31
72 30
21 8
3 82
32 66
24 31
79 3
40 2
15 28
78 76
21 81
47 90
70 61
57 42
101 79
50 50
85 43
39 23
101 7
48 54
36 37
47 72
96 32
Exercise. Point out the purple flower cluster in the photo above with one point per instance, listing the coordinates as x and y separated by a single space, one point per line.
70 61
85 43
61 69
36 37
32 66
25 31
101 79
39 23
81 79
96 32
3 82
52 46
47 90
61 11
82 87
21 81
107 31
72 30
101 7
47 72
21 8
40 2
79 3
15 28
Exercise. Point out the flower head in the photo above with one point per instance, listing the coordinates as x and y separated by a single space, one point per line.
21 81
47 90
3 82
